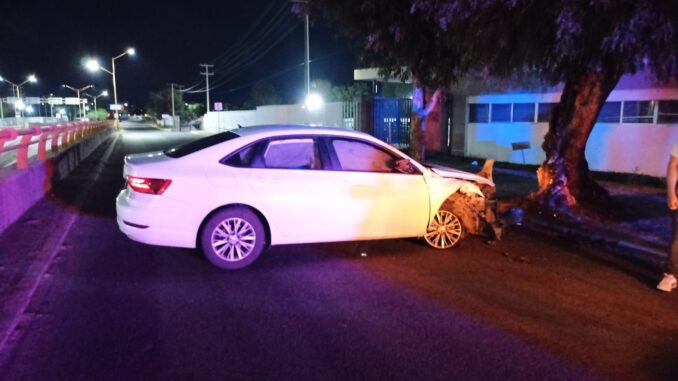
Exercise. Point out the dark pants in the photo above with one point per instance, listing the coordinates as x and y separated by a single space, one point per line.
671 265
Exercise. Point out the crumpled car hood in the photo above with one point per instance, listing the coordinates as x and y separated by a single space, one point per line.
457 174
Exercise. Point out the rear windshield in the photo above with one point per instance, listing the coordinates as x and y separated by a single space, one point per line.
197 145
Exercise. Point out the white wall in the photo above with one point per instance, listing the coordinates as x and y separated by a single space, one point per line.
641 148
329 115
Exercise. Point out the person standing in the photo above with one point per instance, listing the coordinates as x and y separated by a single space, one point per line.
669 282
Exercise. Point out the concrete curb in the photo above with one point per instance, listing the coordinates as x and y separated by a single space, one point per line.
643 253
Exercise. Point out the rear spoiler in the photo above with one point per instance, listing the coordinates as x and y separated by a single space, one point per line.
486 171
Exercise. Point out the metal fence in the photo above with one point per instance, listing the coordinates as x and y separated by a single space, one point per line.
388 119
392 119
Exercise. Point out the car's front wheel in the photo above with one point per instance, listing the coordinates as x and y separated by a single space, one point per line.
446 228
233 238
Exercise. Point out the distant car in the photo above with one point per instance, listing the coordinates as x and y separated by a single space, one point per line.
235 193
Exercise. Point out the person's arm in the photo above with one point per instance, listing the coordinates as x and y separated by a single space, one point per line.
671 180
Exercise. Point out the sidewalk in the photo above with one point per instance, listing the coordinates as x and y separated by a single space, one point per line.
642 238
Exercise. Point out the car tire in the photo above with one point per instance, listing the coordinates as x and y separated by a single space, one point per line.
233 238
447 227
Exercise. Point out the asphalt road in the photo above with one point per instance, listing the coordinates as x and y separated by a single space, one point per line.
525 308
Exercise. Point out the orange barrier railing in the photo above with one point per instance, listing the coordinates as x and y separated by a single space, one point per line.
59 135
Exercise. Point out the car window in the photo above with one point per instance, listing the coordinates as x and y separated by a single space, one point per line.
197 145
292 154
242 158
355 155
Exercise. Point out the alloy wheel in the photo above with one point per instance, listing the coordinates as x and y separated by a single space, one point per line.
233 239
444 231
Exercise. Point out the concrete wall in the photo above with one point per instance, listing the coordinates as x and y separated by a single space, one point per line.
329 115
21 189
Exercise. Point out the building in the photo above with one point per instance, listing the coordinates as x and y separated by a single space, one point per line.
635 131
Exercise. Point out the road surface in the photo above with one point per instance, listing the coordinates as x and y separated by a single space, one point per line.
525 308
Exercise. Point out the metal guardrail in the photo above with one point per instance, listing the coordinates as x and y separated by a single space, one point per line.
59 136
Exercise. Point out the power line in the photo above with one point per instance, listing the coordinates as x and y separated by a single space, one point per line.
237 46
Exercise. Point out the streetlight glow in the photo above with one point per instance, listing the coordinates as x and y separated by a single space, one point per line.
131 51
92 64
104 93
313 102
32 78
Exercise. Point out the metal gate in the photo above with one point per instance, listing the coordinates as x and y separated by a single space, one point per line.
392 119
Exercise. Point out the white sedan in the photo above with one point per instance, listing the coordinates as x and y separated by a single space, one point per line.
235 193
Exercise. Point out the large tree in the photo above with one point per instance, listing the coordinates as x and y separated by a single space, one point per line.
587 45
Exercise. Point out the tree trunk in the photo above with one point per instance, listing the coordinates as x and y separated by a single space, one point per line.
416 138
564 178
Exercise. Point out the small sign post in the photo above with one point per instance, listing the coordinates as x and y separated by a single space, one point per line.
218 106
521 146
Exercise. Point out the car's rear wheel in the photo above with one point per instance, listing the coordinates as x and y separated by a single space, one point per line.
233 238
446 229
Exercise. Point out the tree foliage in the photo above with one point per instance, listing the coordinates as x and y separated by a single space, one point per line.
585 44
98 114
342 93
263 93
160 102
349 93
439 41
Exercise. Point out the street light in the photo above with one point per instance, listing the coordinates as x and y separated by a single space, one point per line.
93 65
94 97
314 102
77 91
17 89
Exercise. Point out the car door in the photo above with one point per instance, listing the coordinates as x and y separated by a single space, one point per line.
288 180
376 200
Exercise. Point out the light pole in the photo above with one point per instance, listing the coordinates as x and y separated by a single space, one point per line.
2 112
17 87
307 69
93 65
94 98
77 91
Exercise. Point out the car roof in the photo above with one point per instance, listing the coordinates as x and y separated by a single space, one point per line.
282 129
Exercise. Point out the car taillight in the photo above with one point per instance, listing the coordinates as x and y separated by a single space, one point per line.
150 186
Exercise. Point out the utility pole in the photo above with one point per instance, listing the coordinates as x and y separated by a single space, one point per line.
207 75
307 68
172 90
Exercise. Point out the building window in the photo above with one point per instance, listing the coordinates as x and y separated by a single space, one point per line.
478 113
501 112
523 112
545 111
668 112
638 112
610 113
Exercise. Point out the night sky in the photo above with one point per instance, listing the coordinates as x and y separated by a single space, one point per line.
51 38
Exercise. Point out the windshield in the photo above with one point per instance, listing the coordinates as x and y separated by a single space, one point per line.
194 146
